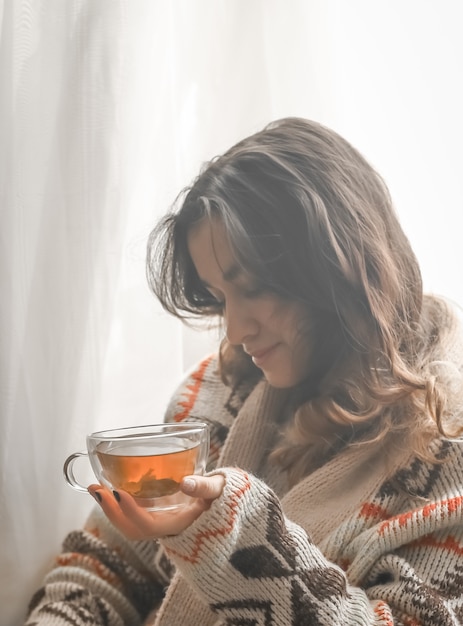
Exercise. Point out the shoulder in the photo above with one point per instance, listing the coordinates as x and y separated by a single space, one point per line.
449 465
203 395
433 480
199 384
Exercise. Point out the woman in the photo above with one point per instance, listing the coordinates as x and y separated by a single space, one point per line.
335 485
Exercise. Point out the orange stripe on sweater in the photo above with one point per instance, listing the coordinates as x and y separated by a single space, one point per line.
450 544
446 507
202 536
384 613
370 510
193 390
76 559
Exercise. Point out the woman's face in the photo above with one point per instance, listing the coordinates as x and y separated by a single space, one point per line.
273 331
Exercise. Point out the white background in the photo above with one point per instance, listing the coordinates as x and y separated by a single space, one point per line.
107 109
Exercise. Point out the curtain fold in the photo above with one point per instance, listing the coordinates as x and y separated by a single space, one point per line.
63 220
107 109
65 197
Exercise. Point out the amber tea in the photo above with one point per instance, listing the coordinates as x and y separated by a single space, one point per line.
148 462
147 471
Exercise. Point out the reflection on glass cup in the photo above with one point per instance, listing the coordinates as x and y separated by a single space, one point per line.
147 462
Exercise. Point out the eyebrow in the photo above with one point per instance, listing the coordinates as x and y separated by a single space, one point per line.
229 275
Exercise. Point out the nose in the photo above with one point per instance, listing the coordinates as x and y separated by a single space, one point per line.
240 322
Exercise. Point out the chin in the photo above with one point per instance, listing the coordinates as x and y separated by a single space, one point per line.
279 382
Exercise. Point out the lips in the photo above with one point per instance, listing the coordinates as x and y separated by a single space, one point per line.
260 356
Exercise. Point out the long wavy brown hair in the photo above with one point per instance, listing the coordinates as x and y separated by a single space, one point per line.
313 222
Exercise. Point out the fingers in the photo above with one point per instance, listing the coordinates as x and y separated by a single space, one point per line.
135 522
113 512
149 524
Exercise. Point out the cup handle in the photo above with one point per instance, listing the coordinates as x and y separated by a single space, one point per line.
68 471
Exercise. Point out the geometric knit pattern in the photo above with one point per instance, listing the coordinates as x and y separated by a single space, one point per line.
407 565
255 558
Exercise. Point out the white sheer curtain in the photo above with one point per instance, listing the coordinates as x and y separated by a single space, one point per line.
107 109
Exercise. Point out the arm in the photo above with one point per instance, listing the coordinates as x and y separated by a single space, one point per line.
245 559
102 574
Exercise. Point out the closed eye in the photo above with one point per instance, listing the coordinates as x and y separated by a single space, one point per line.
216 298
253 291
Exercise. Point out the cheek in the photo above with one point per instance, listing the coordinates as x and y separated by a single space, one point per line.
289 320
299 335
297 322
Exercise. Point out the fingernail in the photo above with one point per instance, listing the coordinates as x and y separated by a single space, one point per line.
117 496
188 485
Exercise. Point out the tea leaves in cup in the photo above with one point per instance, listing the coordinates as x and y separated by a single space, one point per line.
147 471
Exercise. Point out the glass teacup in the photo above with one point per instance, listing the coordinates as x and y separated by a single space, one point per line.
148 462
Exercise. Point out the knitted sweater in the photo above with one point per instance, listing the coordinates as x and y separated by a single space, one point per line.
368 538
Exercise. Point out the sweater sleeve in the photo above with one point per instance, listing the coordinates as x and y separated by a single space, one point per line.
101 577
253 566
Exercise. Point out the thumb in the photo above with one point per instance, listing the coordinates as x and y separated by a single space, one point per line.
205 487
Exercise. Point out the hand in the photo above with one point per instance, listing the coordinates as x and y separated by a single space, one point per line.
136 522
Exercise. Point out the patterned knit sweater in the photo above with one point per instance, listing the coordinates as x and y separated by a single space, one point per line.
371 537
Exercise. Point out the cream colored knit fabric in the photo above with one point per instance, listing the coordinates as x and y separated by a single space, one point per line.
357 542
